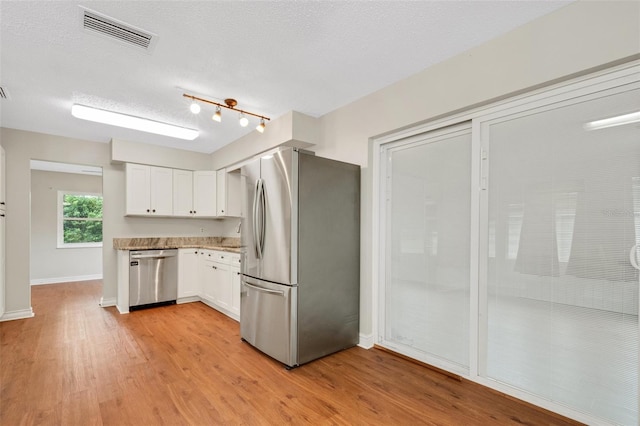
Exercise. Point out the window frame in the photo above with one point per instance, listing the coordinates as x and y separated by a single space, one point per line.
60 220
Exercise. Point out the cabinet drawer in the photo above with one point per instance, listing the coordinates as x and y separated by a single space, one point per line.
207 254
234 260
223 257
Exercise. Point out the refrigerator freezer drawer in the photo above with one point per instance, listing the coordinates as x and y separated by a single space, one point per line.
268 318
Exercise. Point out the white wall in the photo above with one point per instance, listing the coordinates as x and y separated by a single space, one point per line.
50 263
581 37
22 146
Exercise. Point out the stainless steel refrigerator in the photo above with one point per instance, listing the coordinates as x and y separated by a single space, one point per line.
300 255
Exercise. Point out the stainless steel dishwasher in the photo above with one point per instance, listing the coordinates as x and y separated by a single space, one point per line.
153 278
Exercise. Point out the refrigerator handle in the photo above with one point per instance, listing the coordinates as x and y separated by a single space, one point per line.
255 219
264 290
633 257
263 215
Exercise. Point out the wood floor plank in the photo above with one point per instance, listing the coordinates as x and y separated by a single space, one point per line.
186 365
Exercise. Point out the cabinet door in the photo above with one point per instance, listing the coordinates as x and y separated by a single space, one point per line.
222 283
182 193
221 192
3 178
207 280
188 280
235 291
204 193
228 194
138 189
161 191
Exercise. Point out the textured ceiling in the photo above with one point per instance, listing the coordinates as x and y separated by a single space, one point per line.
272 56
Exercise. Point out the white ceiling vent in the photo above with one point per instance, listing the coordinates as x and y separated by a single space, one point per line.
98 23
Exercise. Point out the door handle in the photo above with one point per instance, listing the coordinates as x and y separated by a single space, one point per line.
633 258
262 203
255 219
264 290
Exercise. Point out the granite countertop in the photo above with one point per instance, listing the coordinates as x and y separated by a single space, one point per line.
230 244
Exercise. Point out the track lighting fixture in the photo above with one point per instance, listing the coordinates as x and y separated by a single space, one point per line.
228 104
217 116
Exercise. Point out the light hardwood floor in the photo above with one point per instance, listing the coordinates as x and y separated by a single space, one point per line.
75 363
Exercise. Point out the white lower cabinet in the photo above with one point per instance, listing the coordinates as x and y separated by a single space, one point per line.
188 279
219 277
235 290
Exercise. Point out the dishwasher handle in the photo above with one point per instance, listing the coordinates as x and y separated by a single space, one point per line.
152 256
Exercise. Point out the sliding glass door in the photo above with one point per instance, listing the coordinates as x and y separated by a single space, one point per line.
509 246
562 212
426 295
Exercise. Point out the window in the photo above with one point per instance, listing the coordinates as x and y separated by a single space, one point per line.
79 219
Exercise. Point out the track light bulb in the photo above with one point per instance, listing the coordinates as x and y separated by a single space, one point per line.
244 121
260 127
195 108
217 116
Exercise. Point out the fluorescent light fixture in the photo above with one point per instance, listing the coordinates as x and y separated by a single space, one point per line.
634 117
131 122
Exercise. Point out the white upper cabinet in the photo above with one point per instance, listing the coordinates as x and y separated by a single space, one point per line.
183 193
194 193
161 191
204 193
138 189
228 193
149 190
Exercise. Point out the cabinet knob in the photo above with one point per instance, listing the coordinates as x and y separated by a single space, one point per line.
196 252
221 257
237 273
154 210
147 210
194 212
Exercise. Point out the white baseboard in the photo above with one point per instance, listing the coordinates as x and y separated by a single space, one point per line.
122 310
366 341
109 301
16 315
57 280
188 299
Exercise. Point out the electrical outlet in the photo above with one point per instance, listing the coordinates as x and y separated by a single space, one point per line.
202 230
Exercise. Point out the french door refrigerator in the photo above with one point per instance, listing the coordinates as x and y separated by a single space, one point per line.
300 255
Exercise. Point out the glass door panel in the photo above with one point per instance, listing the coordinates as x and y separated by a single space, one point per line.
562 215
426 296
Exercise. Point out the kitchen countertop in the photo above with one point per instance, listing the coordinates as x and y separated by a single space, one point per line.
230 244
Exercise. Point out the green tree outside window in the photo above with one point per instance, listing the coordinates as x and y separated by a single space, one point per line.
81 218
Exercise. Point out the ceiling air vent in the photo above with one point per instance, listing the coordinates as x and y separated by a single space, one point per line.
3 93
118 30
